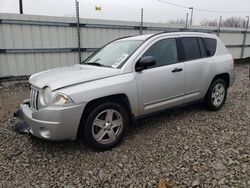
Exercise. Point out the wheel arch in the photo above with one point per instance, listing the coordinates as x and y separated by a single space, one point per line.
121 99
223 76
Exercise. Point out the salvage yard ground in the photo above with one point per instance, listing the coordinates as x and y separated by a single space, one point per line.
189 146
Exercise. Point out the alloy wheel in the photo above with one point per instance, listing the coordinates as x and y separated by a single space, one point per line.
107 126
218 94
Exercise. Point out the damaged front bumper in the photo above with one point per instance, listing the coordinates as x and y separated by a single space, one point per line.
50 123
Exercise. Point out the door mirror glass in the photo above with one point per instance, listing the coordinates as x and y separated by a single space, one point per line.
145 62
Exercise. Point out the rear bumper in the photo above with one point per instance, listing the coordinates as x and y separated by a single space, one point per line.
52 123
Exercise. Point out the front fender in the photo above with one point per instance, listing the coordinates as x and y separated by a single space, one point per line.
120 84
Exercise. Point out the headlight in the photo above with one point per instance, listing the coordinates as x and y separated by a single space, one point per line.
46 96
61 99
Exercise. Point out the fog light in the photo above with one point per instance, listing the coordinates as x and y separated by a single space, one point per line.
44 132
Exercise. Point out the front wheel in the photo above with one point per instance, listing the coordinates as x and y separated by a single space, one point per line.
105 126
216 95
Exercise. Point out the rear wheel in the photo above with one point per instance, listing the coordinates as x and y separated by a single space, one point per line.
216 95
105 126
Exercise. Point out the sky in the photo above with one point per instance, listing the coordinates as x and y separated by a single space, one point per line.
154 10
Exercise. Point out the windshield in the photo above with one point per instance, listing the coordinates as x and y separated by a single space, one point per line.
114 54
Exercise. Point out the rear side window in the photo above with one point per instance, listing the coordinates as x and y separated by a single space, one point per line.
202 48
210 45
191 48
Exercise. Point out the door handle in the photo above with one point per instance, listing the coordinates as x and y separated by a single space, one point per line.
177 70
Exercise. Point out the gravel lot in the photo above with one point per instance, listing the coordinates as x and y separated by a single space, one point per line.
186 147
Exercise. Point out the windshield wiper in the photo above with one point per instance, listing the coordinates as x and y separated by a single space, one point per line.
94 63
97 64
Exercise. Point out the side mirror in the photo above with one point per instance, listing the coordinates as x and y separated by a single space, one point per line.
144 63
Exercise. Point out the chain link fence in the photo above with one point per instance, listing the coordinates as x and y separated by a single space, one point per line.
32 43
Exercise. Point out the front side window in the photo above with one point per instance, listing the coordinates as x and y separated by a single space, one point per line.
114 54
164 52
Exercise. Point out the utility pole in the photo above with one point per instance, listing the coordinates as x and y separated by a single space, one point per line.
78 31
186 21
218 31
244 39
21 6
141 26
191 18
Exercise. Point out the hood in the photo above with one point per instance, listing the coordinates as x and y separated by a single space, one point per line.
66 76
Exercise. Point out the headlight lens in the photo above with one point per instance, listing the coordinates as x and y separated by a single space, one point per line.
46 96
61 99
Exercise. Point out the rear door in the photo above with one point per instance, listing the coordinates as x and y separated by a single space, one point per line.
195 66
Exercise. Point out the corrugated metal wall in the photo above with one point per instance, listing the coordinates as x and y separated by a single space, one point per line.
30 44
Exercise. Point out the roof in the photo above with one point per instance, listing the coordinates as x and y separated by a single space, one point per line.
138 37
185 33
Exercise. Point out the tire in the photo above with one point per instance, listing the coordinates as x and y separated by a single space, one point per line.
105 126
216 95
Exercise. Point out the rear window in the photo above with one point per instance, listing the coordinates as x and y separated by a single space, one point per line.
210 45
191 48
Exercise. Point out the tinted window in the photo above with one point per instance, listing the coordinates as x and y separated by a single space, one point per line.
191 48
164 51
202 48
210 45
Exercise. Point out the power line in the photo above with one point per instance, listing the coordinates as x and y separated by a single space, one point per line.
225 12
174 4
203 10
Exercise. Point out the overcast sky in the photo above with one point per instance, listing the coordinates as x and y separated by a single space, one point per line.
154 11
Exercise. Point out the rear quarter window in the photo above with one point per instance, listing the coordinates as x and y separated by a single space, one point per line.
210 45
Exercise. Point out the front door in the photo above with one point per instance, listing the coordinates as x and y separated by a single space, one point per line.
161 86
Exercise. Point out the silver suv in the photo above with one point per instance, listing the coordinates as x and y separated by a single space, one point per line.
126 79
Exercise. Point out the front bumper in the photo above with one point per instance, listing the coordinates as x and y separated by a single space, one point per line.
52 123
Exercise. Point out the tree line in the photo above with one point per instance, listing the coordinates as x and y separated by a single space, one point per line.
237 22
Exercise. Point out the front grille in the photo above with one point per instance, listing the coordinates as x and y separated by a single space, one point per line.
33 98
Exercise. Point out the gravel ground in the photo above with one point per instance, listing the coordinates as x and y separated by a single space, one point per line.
186 147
